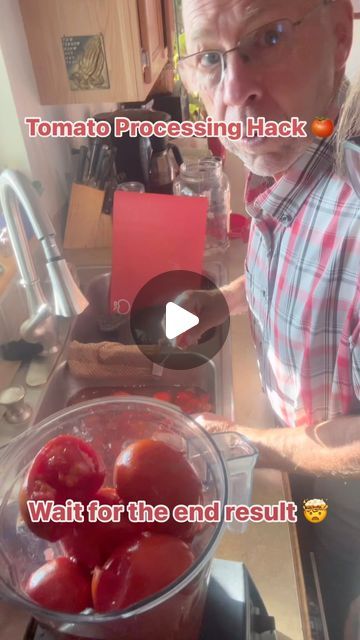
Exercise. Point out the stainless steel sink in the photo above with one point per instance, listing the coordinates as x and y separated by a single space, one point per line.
214 377
63 386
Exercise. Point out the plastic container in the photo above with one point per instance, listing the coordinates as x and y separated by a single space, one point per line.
224 464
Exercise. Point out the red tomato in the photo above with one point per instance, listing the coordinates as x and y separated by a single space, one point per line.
108 495
186 400
139 570
154 471
191 401
92 543
322 127
68 465
83 545
203 403
52 531
114 530
165 396
60 585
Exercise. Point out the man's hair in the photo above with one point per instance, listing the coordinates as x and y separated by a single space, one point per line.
349 123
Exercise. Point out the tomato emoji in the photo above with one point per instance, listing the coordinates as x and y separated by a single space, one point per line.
322 127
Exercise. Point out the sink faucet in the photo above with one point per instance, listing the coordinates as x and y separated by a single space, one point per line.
68 299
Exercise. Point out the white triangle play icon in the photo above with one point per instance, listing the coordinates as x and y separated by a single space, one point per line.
178 321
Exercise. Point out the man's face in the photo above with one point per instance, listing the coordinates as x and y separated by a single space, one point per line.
303 83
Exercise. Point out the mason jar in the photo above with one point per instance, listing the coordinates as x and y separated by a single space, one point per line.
206 178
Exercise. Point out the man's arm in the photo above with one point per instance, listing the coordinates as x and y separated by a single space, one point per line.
235 296
209 306
330 449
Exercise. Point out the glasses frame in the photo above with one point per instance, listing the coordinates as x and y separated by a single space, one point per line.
223 54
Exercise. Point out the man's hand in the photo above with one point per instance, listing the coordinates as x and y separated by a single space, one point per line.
330 449
209 307
215 424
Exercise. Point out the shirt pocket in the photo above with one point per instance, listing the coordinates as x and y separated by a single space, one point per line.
354 342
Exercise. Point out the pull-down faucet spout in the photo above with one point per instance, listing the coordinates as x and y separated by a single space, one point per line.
68 299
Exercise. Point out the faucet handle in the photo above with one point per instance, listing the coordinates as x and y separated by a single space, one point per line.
41 328
17 411
5 244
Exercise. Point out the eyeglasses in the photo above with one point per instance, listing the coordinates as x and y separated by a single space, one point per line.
263 47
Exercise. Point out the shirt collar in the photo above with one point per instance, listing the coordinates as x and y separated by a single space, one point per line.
283 199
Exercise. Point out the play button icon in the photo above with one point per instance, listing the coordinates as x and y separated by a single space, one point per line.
161 313
178 321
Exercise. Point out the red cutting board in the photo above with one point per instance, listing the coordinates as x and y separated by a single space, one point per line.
153 234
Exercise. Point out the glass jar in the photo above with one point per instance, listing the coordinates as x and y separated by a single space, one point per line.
137 187
206 178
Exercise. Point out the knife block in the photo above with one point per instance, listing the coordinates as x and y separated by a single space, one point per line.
87 227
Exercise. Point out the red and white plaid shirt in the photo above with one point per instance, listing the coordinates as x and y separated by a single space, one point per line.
303 289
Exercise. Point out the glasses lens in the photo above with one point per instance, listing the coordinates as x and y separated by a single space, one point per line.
202 70
267 45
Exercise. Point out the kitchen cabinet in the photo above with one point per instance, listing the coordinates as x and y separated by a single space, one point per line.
86 51
152 37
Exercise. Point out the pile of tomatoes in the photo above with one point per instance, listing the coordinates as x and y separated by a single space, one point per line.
188 400
109 566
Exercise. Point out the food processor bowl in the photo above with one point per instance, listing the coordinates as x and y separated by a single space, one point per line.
172 614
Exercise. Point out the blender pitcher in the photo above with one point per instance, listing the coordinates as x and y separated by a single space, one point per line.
224 464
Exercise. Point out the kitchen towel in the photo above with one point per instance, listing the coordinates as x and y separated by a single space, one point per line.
107 361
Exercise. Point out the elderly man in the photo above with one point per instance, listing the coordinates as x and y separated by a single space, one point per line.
279 59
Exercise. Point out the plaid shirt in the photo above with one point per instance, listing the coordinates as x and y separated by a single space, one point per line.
303 289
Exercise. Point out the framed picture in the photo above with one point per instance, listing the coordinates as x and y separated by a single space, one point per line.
356 4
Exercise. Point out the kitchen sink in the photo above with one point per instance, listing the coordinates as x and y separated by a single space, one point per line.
214 377
63 386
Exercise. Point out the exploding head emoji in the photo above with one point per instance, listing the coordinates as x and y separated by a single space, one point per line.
315 510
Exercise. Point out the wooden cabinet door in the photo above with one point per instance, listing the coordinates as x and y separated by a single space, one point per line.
46 23
170 25
152 33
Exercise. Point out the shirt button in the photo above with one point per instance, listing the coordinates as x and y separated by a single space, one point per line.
286 218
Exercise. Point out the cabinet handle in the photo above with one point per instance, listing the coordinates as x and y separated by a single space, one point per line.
145 62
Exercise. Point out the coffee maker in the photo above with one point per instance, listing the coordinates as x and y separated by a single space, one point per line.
133 155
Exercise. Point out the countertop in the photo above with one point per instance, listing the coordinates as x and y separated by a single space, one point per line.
269 550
